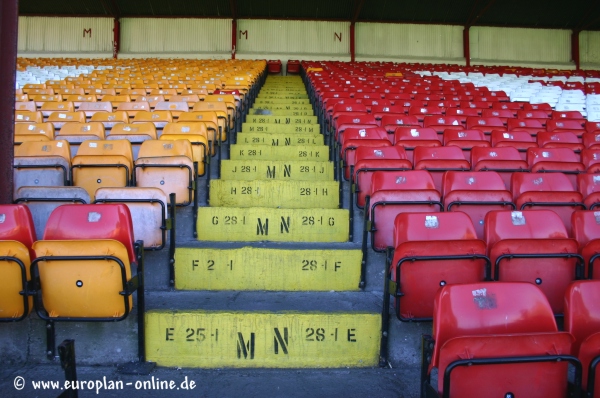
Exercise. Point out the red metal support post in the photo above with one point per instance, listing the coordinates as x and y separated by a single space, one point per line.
9 20
233 37
466 45
352 49
575 48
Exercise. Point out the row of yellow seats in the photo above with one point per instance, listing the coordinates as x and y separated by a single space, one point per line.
171 165
76 123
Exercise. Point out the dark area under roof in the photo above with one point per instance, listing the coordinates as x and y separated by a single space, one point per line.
573 15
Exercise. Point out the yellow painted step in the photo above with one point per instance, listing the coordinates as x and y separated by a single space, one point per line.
201 339
283 107
282 96
296 101
267 152
281 119
300 170
282 112
280 139
267 269
226 224
280 194
280 128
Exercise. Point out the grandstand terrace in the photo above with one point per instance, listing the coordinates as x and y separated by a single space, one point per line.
342 198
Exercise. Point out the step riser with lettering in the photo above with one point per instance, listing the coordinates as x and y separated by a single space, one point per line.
299 170
199 339
267 269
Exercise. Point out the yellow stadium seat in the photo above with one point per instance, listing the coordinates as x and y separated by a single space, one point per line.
41 164
167 165
102 163
34 132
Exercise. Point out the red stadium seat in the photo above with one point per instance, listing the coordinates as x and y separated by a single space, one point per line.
582 320
591 140
551 160
503 160
465 140
559 140
533 246
432 250
475 193
355 137
496 340
394 192
411 137
439 160
565 125
485 124
390 122
589 187
441 123
368 160
532 126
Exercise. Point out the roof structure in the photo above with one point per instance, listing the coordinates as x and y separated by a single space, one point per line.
573 15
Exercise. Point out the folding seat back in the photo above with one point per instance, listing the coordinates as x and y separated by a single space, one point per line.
589 186
356 137
411 137
109 119
582 320
357 121
553 191
438 160
475 193
431 250
423 111
176 108
592 127
189 98
132 108
211 120
48 107
116 99
503 160
152 100
533 246
102 163
395 192
39 163
502 114
591 140
347 109
17 235
76 276
568 115
559 140
42 200
148 209
224 114
462 113
167 165
485 124
25 106
159 118
391 122
59 119
134 133
565 125
196 134
531 126
33 132
381 110
442 123
591 160
91 108
539 115
369 160
465 140
28 117
514 348
586 231
550 160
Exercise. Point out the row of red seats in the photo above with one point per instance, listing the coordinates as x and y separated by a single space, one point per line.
433 249
501 340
